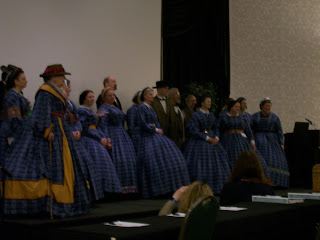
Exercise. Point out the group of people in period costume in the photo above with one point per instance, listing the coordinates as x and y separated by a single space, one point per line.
44 172
61 158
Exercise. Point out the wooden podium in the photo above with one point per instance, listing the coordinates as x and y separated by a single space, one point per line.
302 149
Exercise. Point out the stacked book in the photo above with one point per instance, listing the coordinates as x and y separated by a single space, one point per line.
275 199
313 196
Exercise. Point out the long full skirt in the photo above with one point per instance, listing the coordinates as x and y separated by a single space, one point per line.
124 159
105 169
88 167
235 144
45 177
270 149
208 163
162 167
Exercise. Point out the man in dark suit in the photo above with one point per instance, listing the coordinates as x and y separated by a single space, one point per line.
162 106
109 82
177 127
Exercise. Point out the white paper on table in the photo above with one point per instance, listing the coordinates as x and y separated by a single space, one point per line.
178 214
235 209
126 224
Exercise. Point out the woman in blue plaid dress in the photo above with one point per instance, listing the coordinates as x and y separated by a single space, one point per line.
206 158
111 123
87 163
16 106
269 138
236 135
162 167
96 144
132 120
243 109
46 173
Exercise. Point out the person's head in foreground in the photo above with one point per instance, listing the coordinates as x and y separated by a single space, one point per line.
248 166
192 193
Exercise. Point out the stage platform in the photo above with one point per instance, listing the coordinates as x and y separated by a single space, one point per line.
38 227
42 227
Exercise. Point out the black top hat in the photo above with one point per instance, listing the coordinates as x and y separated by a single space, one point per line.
161 84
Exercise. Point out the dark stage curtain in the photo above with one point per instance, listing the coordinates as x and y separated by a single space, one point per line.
195 37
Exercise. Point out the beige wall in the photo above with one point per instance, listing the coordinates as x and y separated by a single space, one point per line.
275 52
91 38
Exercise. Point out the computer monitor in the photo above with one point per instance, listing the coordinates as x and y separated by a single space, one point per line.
300 128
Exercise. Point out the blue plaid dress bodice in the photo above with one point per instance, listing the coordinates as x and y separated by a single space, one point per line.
269 138
206 162
235 142
133 125
162 167
73 118
248 117
132 120
269 124
148 122
111 123
17 108
13 99
239 122
87 119
113 115
203 125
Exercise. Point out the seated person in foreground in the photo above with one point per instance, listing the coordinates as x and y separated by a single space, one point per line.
247 179
184 197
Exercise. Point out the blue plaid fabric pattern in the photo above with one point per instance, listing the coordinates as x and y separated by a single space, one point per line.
122 153
86 161
28 158
236 143
133 125
162 168
105 169
248 116
206 162
12 127
269 138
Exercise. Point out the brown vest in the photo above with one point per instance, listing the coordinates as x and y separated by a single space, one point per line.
163 117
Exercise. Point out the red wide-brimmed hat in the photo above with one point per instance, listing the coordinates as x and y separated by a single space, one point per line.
54 70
